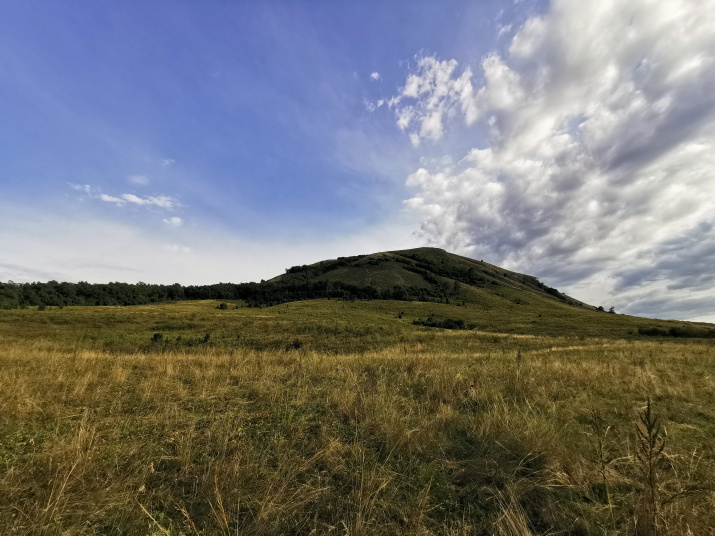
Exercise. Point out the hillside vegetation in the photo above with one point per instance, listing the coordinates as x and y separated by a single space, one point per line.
345 417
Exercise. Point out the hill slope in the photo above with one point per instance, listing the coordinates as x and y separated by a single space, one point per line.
424 274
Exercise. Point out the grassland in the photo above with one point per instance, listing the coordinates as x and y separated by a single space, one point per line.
524 425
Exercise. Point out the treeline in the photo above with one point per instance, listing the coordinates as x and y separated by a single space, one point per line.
679 331
52 293
13 295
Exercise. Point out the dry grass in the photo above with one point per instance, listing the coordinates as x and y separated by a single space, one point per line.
415 438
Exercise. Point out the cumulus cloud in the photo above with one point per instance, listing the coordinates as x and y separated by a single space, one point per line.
375 76
174 222
599 171
432 94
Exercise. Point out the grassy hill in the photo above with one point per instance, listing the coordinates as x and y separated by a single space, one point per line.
426 273
482 295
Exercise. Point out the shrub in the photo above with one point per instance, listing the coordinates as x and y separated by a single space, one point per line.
295 345
447 323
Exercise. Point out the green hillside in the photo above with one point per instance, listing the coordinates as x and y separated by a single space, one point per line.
440 286
427 273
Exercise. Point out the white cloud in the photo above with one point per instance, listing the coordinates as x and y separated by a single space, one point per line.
161 201
372 106
503 29
111 199
84 188
375 76
167 162
174 221
599 170
141 180
433 95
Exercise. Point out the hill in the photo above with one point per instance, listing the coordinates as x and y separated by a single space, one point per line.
423 274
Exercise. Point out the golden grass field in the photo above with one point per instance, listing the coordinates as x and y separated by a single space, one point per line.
372 426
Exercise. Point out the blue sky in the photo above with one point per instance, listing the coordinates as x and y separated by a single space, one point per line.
224 141
253 116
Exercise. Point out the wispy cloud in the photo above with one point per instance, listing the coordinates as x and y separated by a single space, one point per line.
505 29
112 199
84 188
174 221
140 180
372 106
162 201
600 152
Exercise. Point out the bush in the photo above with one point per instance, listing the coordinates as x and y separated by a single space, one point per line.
447 323
675 331
295 345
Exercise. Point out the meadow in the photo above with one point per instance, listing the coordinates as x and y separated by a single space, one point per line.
332 417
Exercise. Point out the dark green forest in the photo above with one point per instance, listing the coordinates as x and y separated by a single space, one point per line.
52 293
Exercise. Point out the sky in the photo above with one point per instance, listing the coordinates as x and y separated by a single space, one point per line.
221 141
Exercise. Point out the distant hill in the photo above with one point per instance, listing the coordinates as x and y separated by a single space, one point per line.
422 274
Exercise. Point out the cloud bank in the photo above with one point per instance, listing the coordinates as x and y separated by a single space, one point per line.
599 170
